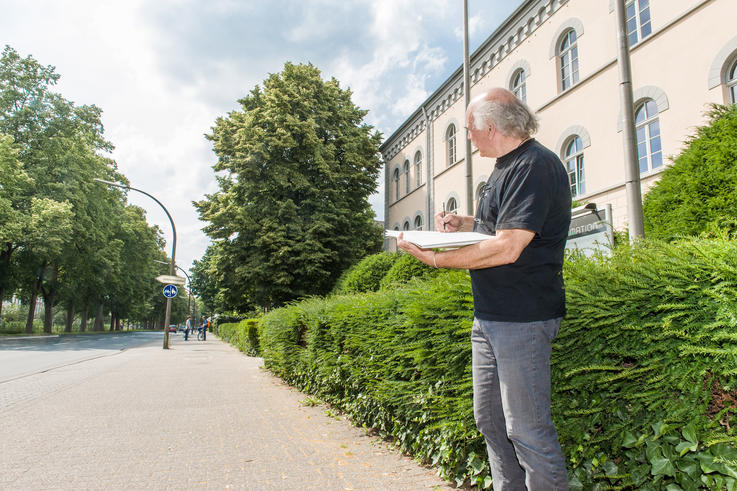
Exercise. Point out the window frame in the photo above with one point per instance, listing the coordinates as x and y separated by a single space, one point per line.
573 153
452 209
418 218
514 87
647 125
418 168
395 178
568 60
405 171
731 82
450 144
639 26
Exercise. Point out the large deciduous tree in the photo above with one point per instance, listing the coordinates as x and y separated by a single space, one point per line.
292 211
699 191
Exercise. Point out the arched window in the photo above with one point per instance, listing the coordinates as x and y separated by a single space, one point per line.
418 169
451 206
732 82
638 20
573 157
406 177
395 179
418 222
450 144
518 85
405 226
568 60
649 150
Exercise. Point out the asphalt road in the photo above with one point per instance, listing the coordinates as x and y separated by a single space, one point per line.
24 356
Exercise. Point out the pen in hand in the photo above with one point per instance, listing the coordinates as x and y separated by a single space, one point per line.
443 216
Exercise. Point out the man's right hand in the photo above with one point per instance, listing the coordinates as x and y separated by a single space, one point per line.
448 223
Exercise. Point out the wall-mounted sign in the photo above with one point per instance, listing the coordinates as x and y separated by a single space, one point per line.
591 230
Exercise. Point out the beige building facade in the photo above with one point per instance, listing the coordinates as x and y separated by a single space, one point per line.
560 56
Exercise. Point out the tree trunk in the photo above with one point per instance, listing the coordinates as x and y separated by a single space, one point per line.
70 317
31 312
112 321
49 311
98 319
83 320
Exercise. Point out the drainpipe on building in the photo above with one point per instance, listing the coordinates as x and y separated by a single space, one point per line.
429 173
631 167
467 98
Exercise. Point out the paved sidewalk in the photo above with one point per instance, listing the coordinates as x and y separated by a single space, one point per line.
200 415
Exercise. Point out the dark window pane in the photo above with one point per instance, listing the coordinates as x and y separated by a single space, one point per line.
645 16
630 10
654 129
652 108
655 145
641 150
657 160
646 30
632 25
643 164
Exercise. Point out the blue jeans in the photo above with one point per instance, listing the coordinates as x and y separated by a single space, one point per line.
511 403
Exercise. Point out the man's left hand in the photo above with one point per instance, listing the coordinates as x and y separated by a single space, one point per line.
424 255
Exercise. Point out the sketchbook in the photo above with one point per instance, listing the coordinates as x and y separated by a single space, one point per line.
430 240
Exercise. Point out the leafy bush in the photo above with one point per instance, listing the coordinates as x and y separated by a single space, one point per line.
405 269
699 191
243 335
644 368
367 274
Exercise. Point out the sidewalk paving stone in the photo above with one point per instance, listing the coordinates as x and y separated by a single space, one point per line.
200 415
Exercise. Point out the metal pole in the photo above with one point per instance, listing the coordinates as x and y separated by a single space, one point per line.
631 166
467 99
173 251
189 285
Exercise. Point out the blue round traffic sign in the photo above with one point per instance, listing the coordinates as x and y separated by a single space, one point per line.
170 291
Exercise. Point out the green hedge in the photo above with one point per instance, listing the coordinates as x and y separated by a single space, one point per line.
367 274
644 368
243 335
406 268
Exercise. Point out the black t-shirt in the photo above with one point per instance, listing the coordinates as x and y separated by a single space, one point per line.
527 189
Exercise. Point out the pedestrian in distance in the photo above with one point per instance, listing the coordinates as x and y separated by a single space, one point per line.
203 326
518 292
187 327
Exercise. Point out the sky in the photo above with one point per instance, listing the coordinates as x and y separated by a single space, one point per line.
163 71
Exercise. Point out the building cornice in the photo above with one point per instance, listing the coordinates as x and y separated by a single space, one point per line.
502 42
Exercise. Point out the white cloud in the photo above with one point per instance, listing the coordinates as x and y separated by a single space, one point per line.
163 70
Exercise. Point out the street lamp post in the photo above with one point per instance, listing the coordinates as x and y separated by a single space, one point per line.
173 250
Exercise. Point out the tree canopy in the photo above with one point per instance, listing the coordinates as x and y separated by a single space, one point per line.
63 236
699 191
298 165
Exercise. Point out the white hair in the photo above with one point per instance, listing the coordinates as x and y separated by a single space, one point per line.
511 118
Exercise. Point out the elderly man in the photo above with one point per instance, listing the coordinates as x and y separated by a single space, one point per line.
518 294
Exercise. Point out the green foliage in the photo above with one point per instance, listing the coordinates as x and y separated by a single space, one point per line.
405 269
243 335
366 276
64 237
292 211
699 191
644 368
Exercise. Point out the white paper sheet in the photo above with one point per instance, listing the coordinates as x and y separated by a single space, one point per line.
431 240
